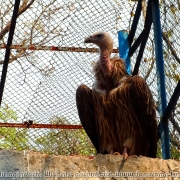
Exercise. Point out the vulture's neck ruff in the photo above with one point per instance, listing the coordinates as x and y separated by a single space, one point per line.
105 44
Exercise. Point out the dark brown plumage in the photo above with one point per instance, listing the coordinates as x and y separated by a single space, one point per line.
118 113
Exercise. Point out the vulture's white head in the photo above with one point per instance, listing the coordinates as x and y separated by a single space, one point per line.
102 39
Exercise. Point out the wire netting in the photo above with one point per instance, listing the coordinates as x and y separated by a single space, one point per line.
48 63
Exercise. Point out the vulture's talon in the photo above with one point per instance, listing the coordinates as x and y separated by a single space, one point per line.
125 156
134 156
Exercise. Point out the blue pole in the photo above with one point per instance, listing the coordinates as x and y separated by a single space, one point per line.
123 40
164 129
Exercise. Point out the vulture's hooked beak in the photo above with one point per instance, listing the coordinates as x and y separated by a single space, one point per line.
88 39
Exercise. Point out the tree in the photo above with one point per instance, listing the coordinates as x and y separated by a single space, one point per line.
12 137
36 29
64 141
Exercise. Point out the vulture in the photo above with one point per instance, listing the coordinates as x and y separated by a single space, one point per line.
118 113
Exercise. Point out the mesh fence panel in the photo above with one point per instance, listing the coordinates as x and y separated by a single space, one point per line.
42 79
171 44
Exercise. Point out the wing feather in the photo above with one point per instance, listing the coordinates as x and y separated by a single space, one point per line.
136 115
146 113
85 106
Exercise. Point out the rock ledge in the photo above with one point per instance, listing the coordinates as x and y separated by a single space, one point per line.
37 166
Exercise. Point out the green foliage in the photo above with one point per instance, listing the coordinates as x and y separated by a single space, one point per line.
159 151
6 114
65 141
52 141
175 154
11 137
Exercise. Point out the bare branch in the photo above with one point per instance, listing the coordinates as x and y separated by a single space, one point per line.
24 6
171 48
175 124
152 63
22 9
175 143
150 69
21 53
144 7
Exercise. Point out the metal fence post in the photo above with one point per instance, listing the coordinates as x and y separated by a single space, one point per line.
123 41
164 129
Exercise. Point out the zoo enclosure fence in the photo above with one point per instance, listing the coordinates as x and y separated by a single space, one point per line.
49 60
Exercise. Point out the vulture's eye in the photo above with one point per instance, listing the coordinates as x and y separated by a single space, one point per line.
99 36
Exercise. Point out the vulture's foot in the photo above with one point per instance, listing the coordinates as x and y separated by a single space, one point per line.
114 153
125 154
133 156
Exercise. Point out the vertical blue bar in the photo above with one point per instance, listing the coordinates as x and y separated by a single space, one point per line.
164 129
123 41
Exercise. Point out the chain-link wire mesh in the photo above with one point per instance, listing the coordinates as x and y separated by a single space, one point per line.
48 63
170 18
